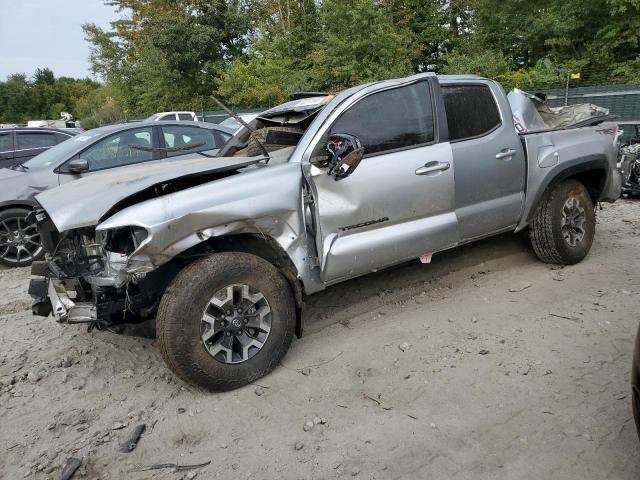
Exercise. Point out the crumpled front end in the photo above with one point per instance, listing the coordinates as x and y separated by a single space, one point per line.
87 278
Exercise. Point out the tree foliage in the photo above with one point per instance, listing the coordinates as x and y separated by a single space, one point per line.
42 96
168 54
173 54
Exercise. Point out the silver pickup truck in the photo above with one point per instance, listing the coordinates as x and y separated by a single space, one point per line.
223 249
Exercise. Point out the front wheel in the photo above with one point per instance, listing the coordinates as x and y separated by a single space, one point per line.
564 224
226 320
19 242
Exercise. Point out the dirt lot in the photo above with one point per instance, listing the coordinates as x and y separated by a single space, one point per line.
485 364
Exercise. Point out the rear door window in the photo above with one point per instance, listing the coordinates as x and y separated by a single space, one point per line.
390 120
61 137
185 116
187 139
6 143
27 140
471 111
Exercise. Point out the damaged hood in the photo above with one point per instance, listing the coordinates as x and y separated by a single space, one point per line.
86 201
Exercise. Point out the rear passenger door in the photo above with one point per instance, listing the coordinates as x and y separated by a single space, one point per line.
6 148
30 143
399 203
489 159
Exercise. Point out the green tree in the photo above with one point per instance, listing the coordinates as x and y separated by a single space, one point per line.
167 55
359 42
284 34
41 97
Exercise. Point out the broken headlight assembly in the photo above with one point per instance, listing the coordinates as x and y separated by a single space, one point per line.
123 240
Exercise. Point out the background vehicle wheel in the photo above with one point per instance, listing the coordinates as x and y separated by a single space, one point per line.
19 243
564 225
226 320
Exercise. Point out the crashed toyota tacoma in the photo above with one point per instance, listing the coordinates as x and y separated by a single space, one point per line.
222 251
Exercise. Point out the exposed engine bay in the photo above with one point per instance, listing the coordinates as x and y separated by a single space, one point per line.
87 267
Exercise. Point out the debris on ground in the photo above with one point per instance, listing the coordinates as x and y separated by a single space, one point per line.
70 466
176 467
132 442
519 287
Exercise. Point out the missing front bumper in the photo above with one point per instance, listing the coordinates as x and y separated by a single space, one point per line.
50 296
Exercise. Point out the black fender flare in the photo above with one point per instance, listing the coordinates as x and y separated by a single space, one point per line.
563 171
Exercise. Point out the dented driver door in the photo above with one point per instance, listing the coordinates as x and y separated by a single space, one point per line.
399 203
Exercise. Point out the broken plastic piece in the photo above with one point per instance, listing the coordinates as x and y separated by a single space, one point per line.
70 466
426 258
131 444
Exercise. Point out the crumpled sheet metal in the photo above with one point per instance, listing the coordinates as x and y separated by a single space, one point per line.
570 115
529 116
526 117
264 201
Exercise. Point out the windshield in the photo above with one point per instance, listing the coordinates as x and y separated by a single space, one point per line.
63 151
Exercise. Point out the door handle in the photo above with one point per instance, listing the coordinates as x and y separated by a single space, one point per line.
431 167
505 153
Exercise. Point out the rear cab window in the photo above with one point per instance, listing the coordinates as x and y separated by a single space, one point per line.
471 111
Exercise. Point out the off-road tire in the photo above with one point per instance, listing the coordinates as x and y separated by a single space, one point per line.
8 215
180 313
545 230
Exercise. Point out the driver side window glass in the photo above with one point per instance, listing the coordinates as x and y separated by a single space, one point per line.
126 148
390 120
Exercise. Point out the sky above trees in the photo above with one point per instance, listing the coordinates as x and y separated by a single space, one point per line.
48 33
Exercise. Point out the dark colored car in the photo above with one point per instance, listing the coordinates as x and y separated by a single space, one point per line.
635 383
84 154
19 144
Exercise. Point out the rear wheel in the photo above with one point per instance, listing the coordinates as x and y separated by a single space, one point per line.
564 225
19 243
226 321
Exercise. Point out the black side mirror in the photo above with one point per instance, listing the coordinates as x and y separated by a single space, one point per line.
78 165
344 154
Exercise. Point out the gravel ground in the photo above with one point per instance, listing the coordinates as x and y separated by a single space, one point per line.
484 364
